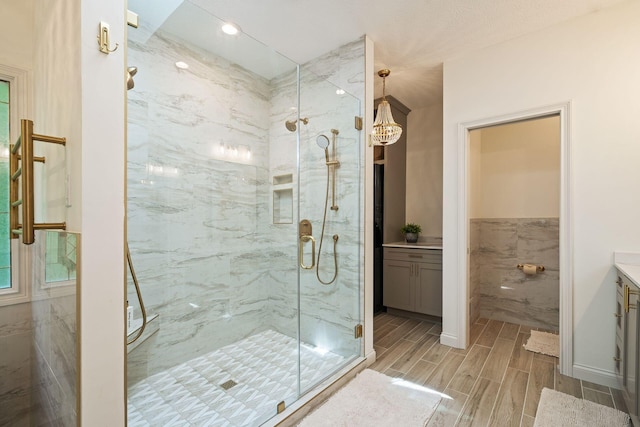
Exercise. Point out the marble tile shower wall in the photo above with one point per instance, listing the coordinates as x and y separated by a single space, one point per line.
501 291
193 229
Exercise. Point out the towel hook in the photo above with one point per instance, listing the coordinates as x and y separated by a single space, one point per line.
103 39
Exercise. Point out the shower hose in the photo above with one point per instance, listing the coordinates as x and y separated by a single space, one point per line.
137 286
335 241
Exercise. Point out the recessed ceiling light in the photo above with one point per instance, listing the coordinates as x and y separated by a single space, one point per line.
339 91
231 29
182 65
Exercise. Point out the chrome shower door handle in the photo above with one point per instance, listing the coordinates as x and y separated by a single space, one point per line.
303 239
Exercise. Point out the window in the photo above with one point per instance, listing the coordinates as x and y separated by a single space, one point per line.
15 285
5 248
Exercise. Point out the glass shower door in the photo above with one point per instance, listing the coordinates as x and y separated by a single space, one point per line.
330 199
211 222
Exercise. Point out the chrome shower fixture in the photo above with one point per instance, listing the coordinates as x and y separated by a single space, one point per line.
291 124
131 71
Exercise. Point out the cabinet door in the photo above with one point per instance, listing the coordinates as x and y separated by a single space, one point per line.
619 357
631 354
397 287
429 289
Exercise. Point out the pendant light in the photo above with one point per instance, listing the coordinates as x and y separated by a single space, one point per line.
385 130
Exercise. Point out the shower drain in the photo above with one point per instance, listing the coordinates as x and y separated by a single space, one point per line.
228 384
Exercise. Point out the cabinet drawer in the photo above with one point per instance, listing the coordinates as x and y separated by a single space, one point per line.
414 255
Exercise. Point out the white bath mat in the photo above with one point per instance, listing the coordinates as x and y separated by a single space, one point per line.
374 399
544 342
559 409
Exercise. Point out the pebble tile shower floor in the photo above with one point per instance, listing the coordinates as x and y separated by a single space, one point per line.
263 366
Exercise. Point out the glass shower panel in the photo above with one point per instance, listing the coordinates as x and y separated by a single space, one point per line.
210 222
330 198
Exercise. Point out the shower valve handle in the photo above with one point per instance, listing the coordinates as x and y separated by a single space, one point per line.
303 239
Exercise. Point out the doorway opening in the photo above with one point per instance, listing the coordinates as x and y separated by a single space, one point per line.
514 210
514 191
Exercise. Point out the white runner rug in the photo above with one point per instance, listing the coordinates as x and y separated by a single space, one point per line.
559 409
374 399
544 342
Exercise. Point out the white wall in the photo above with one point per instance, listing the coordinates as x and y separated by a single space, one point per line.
519 170
102 158
592 62
424 169
16 33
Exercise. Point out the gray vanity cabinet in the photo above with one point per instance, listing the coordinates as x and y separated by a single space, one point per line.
397 284
626 351
412 280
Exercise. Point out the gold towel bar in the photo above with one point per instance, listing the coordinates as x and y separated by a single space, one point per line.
22 151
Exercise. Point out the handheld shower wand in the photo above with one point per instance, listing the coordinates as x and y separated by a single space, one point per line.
323 142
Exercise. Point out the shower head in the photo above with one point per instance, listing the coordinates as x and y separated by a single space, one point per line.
291 124
131 71
323 142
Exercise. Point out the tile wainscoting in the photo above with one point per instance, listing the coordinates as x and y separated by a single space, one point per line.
501 291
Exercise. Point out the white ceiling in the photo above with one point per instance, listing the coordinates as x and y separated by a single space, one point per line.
412 37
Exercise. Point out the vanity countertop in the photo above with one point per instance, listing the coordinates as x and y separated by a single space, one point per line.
629 264
417 245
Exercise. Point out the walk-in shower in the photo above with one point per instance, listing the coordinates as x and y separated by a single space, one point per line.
216 188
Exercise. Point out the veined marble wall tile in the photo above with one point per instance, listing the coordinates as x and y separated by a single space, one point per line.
539 242
15 412
63 358
504 292
15 319
50 404
53 355
15 372
474 271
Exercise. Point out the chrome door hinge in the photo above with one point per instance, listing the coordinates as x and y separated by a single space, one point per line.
358 123
358 331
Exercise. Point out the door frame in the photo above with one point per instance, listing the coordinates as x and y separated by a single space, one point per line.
563 110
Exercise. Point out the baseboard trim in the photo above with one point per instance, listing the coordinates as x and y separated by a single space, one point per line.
595 375
450 340
370 358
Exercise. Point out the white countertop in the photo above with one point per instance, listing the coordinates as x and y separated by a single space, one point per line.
417 245
629 264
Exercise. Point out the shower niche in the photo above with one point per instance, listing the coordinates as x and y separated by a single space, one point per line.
283 199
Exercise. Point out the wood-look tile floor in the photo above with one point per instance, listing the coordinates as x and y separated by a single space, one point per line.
494 382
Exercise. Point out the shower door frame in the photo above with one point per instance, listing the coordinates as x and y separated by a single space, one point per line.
562 110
